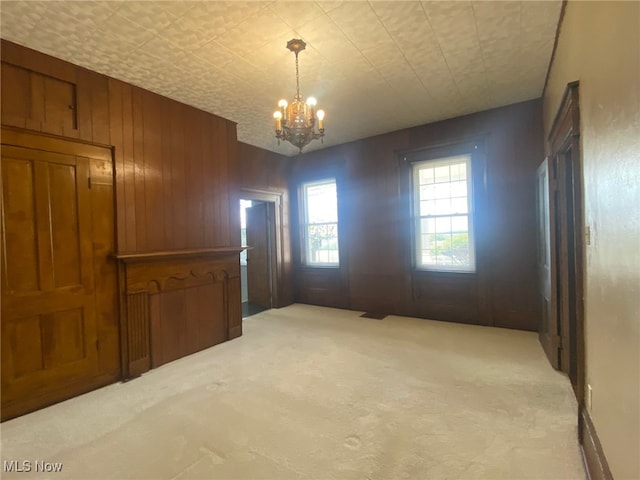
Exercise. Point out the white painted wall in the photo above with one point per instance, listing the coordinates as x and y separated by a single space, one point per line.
599 45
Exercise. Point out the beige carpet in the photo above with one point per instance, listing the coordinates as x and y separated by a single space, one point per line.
317 393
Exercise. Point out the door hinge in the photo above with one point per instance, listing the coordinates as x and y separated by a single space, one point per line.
97 344
89 182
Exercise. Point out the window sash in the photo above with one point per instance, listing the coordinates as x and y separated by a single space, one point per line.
319 248
439 248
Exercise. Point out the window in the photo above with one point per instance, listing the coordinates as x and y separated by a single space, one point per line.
319 223
443 214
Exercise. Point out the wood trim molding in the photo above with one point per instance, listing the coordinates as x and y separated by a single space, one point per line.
278 250
566 123
594 459
42 141
555 46
168 255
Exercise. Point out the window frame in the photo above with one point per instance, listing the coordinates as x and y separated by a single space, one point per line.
304 223
433 157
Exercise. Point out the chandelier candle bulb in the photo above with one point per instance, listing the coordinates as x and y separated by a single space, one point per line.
278 117
320 115
283 104
311 102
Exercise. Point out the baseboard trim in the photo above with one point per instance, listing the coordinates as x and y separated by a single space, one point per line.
594 459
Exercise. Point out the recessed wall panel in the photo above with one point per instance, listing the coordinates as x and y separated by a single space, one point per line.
18 204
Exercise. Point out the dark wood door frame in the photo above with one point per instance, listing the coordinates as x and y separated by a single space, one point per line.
567 234
277 249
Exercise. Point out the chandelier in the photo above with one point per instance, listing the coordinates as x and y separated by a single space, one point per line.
296 121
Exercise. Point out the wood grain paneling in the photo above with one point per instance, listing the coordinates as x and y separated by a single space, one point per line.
187 320
37 101
174 171
151 145
376 226
178 178
179 188
174 164
16 92
321 287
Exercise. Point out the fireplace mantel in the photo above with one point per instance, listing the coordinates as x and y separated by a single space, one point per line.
174 303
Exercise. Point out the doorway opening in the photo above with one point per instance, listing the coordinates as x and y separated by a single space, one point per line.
561 228
256 262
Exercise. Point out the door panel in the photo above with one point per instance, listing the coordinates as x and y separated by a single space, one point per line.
49 332
258 266
21 267
65 245
548 325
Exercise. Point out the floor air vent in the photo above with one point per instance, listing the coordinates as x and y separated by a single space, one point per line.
375 316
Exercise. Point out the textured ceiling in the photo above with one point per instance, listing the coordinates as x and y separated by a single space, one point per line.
374 66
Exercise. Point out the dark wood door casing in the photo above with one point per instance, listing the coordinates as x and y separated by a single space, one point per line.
567 238
278 245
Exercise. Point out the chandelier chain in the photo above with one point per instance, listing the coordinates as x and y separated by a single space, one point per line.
297 78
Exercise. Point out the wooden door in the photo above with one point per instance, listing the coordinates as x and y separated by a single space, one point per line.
566 263
258 258
49 332
548 330
567 249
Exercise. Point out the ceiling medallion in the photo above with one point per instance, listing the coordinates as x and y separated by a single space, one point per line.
296 121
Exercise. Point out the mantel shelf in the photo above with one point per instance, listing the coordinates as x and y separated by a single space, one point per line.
171 254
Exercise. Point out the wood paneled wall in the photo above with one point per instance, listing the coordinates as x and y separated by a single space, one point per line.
376 258
176 173
175 177
174 164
